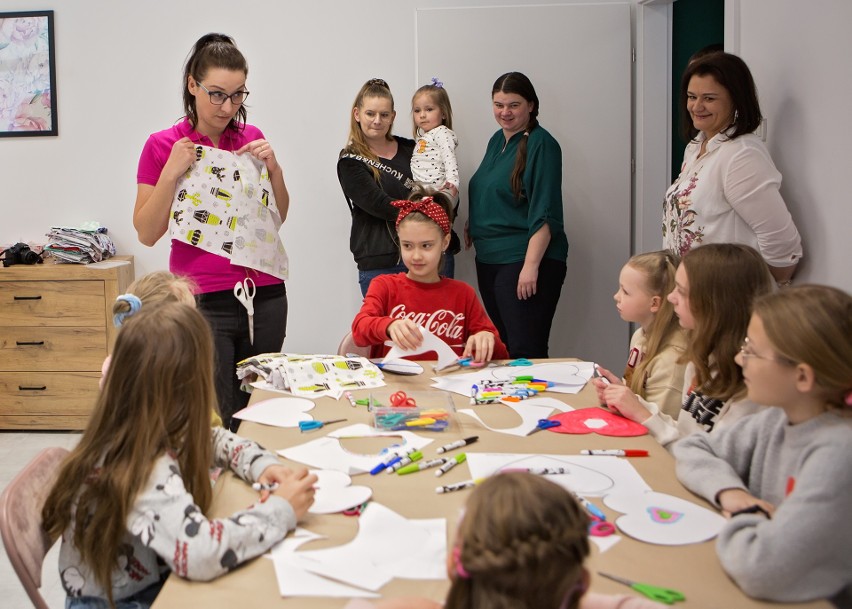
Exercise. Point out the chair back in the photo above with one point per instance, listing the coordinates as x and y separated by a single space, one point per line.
25 541
347 345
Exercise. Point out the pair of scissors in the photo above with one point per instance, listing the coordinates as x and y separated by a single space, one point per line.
657 593
601 528
244 291
357 510
312 425
545 424
401 400
521 361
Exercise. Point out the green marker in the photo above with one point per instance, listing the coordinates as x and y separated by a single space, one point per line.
415 456
418 467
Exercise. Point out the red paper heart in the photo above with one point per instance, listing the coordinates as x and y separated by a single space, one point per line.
574 421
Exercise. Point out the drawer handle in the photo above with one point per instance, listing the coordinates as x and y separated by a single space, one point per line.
25 388
29 343
26 297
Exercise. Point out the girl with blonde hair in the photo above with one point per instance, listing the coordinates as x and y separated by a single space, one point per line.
782 476
655 364
715 286
131 500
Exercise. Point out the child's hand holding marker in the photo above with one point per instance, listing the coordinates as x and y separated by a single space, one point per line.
294 485
618 397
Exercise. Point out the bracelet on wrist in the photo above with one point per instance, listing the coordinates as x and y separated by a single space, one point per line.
752 509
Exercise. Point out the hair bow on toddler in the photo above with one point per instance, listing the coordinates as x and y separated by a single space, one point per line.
425 206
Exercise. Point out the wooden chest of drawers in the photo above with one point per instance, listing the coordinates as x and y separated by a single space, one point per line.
55 331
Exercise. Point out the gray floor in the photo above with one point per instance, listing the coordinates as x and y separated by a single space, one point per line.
16 450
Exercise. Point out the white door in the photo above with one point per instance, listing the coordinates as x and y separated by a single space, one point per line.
579 60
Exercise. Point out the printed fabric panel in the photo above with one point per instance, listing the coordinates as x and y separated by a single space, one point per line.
224 205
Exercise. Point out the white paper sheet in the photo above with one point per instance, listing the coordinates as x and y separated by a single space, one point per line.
446 356
334 492
387 545
279 412
327 453
663 519
293 580
568 377
530 412
588 476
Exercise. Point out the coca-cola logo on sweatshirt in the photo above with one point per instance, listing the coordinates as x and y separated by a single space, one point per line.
443 323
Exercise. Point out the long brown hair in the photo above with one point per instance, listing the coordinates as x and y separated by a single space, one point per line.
659 271
724 280
212 51
157 398
520 545
357 143
519 84
812 324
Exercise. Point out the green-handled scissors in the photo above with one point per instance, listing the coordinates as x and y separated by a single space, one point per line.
661 595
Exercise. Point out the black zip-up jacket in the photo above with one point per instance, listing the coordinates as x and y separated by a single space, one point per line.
372 239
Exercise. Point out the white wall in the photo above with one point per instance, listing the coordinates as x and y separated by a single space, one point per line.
799 53
119 79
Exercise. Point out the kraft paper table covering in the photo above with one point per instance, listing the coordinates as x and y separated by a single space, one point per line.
692 569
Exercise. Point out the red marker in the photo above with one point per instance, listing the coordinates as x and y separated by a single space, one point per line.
615 453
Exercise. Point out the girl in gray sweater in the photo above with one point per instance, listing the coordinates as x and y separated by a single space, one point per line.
783 476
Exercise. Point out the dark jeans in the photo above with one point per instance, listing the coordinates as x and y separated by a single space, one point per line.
141 600
229 321
524 325
448 269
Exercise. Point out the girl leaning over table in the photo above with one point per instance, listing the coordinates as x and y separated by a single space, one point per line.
131 501
214 184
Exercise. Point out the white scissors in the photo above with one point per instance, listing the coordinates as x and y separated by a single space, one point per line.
244 291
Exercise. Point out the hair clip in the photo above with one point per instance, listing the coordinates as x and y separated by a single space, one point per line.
437 82
848 399
460 570
135 304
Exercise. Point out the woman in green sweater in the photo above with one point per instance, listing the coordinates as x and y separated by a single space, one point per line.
516 221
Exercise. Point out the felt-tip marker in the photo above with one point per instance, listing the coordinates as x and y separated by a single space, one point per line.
615 453
591 507
457 444
450 464
260 486
539 471
457 486
407 460
419 467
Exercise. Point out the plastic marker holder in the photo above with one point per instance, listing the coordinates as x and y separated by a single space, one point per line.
450 464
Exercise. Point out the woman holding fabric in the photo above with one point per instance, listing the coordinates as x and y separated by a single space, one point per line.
516 221
374 169
728 187
214 184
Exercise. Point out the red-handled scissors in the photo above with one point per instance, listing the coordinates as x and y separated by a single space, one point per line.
401 400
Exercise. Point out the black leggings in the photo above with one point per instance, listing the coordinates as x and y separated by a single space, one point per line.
524 325
229 321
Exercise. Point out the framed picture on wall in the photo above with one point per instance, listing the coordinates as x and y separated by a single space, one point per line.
27 74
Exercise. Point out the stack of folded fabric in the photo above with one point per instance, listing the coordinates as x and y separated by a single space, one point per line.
80 245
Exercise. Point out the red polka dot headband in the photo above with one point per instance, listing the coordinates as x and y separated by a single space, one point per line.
425 206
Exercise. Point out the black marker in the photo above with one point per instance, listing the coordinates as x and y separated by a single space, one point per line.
457 444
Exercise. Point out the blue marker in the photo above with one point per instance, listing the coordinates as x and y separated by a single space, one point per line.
474 390
591 508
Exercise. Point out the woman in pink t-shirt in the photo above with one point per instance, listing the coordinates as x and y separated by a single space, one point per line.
213 99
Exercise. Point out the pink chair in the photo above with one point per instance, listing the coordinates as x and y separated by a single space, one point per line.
25 541
347 345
